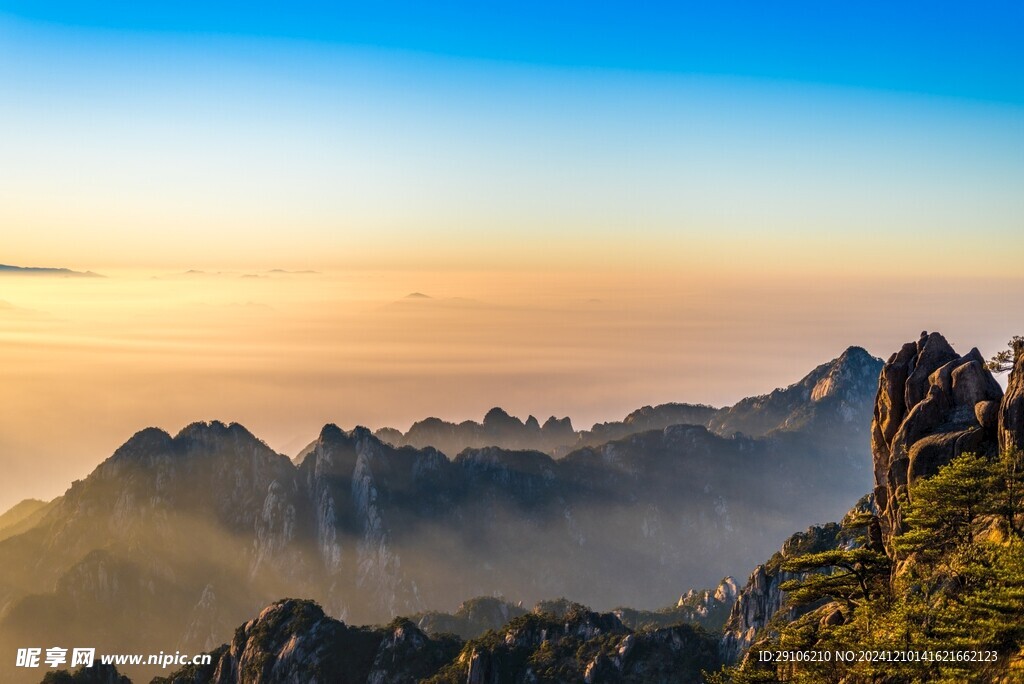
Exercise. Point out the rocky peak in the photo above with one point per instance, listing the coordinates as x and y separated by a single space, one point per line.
292 640
406 654
213 433
726 590
931 405
206 467
498 419
200 439
837 393
848 377
498 429
559 429
332 434
143 443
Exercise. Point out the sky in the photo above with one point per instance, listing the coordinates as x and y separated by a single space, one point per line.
612 204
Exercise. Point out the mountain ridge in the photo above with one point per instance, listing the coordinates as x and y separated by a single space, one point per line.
198 530
846 381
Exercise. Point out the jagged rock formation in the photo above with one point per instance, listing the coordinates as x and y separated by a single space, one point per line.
293 641
762 599
707 608
498 429
932 405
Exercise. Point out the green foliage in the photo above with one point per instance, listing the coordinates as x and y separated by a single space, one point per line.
852 576
944 509
955 582
1009 498
1002 361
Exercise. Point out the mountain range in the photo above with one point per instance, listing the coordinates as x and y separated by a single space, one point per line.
175 540
843 387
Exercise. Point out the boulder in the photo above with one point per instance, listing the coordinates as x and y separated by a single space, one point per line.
973 383
987 414
933 351
934 451
932 405
832 616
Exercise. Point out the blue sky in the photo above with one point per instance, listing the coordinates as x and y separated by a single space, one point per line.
726 133
805 175
970 50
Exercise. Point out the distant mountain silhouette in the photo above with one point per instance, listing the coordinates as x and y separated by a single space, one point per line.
497 429
21 517
6 269
834 400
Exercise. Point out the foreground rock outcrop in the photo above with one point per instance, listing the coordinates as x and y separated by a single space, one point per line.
932 405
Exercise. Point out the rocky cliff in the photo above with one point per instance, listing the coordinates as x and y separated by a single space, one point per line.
762 599
1011 409
836 394
932 404
294 641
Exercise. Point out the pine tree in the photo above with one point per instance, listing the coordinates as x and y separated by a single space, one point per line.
943 510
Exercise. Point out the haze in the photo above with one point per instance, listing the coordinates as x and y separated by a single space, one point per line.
608 208
89 361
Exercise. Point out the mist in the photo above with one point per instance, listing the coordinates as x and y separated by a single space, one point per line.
87 362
